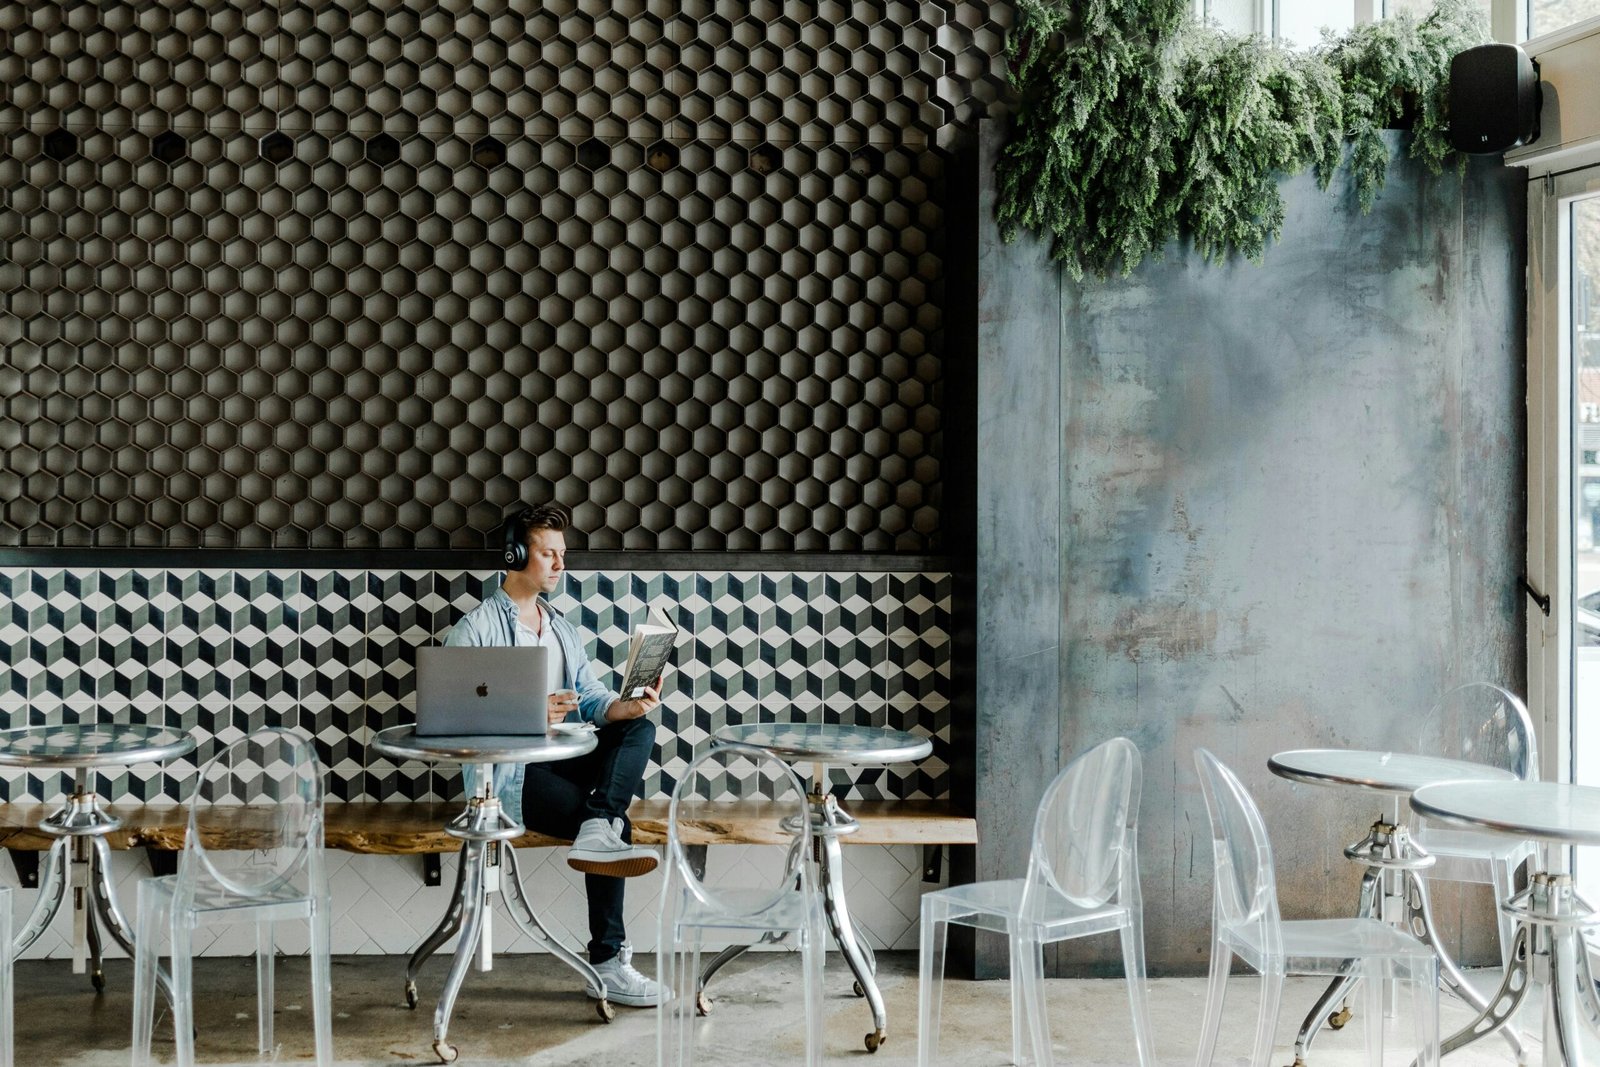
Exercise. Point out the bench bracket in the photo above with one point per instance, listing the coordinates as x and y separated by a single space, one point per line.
163 861
697 860
26 861
432 869
932 862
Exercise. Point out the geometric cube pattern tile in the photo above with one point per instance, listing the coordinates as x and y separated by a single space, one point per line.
339 273
381 907
220 654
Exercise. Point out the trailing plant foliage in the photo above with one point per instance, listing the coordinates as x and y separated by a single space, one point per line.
1135 124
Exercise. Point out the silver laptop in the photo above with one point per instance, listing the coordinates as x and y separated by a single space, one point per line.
481 691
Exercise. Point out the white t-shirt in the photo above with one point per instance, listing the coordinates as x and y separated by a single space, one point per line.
555 660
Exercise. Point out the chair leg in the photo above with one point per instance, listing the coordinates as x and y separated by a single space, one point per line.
182 927
151 923
930 982
1425 1007
1029 993
1501 874
322 981
1138 999
816 947
1267 1021
1376 979
1216 992
265 947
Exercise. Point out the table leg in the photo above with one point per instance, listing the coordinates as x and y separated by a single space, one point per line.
1343 985
844 933
53 879
1419 923
1505 1001
1561 1016
473 904
522 914
448 927
107 912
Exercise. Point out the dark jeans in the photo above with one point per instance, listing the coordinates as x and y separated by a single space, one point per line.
557 797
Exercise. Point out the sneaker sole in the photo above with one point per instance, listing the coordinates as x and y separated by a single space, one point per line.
628 1001
628 868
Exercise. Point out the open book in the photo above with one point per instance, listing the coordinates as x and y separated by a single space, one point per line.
649 648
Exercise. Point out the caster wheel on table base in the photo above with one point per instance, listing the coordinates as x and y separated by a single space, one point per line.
605 1011
98 980
1337 1020
702 1004
411 995
855 987
446 1052
876 1039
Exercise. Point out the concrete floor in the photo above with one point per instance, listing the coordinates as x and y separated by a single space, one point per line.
529 1010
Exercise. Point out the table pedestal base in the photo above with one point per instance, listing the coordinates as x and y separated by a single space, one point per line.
79 861
1392 889
1547 950
829 822
488 865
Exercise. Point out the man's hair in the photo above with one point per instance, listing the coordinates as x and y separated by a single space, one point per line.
543 517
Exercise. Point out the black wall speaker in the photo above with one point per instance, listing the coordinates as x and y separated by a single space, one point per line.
1494 99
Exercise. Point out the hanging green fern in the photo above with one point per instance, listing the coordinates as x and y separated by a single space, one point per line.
1136 125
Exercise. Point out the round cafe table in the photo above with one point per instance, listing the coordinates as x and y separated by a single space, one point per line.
1548 946
80 859
488 863
1392 886
821 744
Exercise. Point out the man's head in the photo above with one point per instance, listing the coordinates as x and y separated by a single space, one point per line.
541 530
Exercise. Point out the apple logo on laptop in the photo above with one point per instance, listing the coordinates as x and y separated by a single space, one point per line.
483 689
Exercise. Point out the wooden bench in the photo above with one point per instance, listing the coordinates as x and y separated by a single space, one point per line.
410 828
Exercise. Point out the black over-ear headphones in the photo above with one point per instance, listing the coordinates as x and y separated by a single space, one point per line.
514 536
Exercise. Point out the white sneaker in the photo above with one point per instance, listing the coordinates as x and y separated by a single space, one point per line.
600 849
626 986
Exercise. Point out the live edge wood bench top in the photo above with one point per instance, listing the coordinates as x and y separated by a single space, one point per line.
417 827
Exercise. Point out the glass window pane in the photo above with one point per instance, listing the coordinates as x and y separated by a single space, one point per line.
1583 309
1301 22
1236 16
1420 8
1548 16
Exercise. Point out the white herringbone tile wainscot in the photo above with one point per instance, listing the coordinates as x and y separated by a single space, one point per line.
381 907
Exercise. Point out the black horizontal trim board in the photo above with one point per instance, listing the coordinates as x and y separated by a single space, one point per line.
407 559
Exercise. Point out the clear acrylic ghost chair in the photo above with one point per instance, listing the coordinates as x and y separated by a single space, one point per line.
1083 879
1482 723
767 898
265 793
1245 922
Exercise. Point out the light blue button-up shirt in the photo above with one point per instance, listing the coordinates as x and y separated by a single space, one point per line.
493 624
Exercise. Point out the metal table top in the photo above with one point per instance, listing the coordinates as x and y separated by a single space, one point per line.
825 742
1550 811
97 744
402 742
1398 773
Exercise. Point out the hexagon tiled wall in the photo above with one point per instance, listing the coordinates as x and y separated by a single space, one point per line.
362 274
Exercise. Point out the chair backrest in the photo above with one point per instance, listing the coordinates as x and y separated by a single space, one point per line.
1085 834
750 890
263 796
1245 887
1483 723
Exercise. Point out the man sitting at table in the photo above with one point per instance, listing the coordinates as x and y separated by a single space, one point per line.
585 798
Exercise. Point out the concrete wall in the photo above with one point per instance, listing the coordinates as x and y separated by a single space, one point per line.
1253 508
